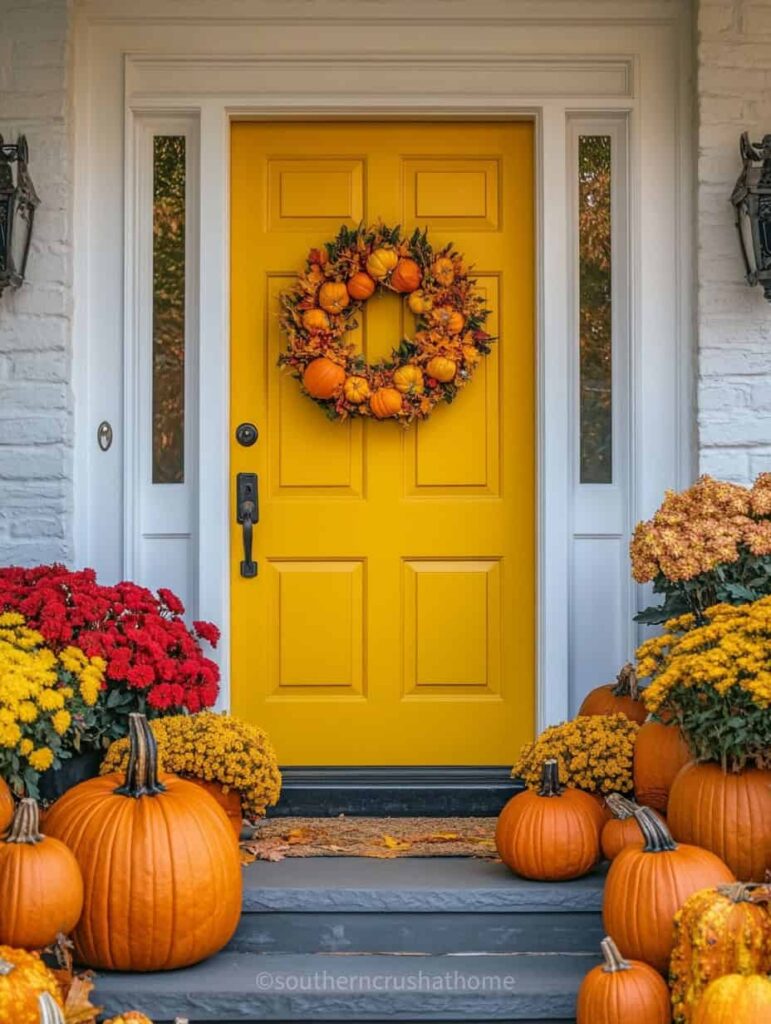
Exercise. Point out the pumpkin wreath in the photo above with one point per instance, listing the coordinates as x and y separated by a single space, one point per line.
319 311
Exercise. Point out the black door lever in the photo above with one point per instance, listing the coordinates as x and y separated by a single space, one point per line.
248 514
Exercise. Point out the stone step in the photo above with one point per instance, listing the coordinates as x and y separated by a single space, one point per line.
235 987
398 792
438 905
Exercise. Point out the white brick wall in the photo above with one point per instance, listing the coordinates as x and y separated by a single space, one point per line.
734 321
35 322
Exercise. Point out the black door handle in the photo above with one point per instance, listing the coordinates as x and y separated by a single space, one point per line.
247 514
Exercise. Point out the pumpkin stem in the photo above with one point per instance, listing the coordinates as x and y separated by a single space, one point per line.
613 960
621 806
550 779
25 827
740 892
142 770
658 838
626 683
50 1011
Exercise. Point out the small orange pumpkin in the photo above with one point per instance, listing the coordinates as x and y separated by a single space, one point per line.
333 296
659 753
381 262
622 829
356 389
551 834
443 271
419 302
385 402
41 887
407 276
622 992
448 319
442 369
360 286
230 802
647 884
6 806
409 379
315 320
622 697
323 378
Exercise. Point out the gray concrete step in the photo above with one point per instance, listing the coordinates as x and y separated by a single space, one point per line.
236 987
414 905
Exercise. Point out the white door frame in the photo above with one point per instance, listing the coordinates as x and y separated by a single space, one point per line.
502 63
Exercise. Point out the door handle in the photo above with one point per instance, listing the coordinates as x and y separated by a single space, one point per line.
247 515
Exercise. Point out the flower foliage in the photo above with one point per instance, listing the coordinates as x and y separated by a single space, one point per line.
715 681
594 753
44 700
218 748
446 291
707 545
152 662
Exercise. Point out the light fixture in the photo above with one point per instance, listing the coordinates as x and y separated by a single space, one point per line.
18 201
752 200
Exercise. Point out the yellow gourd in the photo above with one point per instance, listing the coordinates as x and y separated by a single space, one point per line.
409 379
356 389
443 271
315 320
442 369
381 262
419 302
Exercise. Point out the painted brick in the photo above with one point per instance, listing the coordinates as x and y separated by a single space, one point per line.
734 321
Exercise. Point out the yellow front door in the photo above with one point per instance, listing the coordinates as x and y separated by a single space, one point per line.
392 620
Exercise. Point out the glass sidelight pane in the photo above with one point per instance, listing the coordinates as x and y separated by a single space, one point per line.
595 325
168 309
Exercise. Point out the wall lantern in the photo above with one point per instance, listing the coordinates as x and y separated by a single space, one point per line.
18 200
752 199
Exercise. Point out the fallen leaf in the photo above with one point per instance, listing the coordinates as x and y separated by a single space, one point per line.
78 1008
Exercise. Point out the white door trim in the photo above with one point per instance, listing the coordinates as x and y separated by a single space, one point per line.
518 66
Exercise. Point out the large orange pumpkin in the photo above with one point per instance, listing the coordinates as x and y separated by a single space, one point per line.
550 834
622 992
160 863
659 753
323 378
41 888
23 979
6 806
333 296
717 931
623 697
647 884
622 829
728 813
385 402
360 286
735 999
407 276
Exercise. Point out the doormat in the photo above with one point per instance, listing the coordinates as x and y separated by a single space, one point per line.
384 838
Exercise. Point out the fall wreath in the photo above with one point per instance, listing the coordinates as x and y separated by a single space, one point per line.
320 309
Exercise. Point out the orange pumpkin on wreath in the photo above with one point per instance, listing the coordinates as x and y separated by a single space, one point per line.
319 311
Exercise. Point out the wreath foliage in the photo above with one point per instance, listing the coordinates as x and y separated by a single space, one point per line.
320 310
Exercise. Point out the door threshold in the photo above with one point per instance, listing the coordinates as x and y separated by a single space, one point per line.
367 791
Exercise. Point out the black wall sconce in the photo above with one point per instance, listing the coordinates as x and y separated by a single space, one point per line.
18 201
752 200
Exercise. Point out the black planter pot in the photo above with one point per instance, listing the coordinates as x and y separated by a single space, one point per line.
54 783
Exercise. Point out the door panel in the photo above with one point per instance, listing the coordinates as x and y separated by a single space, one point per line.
392 621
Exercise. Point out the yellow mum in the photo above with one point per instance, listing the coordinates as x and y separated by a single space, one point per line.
41 759
218 748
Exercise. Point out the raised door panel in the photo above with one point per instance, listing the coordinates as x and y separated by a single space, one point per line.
315 194
451 193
